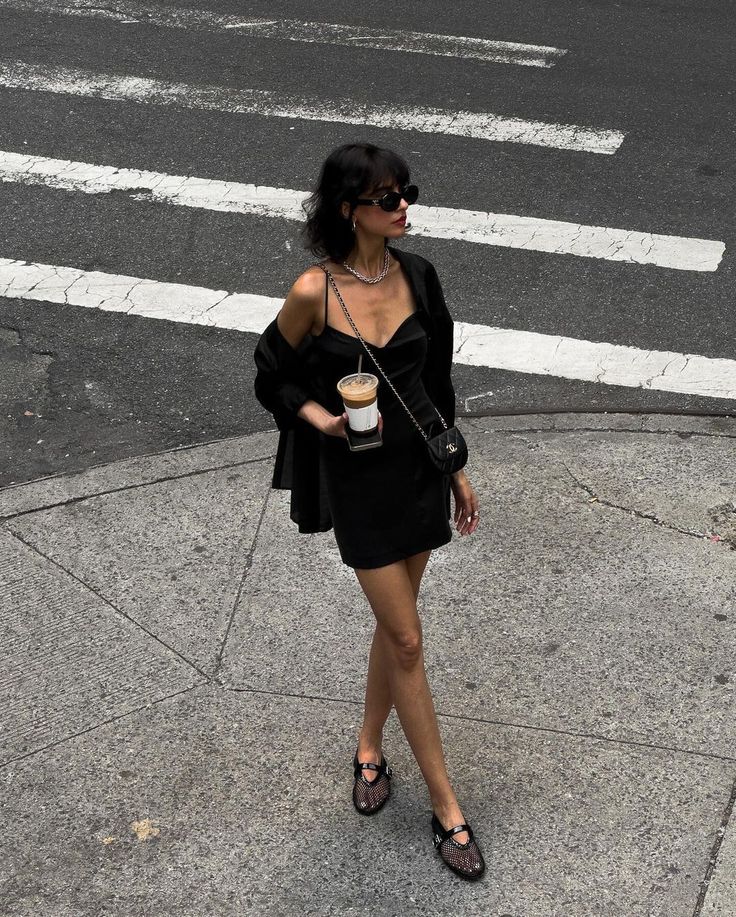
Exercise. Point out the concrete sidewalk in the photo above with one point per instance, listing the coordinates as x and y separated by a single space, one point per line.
183 676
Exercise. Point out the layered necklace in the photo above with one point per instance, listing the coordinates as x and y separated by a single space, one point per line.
377 279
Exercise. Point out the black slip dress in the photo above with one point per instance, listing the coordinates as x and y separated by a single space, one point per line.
390 502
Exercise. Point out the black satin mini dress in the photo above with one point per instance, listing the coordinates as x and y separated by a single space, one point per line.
390 502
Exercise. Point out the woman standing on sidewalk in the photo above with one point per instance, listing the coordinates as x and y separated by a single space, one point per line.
389 506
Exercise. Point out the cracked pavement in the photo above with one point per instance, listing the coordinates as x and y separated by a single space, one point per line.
166 616
174 652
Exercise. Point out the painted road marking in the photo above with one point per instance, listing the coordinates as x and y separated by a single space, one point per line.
591 361
500 229
483 49
176 302
16 74
475 345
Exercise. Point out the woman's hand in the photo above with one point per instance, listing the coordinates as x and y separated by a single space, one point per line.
335 426
467 514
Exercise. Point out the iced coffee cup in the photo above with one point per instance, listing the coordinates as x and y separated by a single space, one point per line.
359 393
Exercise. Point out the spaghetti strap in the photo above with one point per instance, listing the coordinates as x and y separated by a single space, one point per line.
327 286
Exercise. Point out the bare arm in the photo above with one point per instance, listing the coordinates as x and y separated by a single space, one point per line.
298 314
295 320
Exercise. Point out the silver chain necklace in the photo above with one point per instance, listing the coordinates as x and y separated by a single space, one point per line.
377 279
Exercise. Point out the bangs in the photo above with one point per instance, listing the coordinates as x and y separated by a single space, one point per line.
349 172
374 168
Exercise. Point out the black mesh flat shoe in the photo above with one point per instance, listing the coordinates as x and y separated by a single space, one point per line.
464 859
370 795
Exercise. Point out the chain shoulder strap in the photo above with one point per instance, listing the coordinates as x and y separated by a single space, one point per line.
370 354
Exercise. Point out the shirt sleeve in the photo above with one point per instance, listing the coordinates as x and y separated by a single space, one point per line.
281 384
442 348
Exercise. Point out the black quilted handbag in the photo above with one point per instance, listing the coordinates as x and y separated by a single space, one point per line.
447 449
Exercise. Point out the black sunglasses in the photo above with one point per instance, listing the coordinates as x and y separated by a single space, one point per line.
392 199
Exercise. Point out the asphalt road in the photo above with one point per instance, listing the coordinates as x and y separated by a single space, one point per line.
79 386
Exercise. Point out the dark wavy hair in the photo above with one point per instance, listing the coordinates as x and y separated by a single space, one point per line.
347 172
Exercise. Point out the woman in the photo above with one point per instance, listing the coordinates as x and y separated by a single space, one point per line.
389 506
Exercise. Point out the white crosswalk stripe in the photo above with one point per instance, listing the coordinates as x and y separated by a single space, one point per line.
144 90
467 48
499 229
475 345
136 296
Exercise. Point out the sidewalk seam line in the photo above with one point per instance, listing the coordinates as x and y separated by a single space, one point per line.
190 447
89 729
505 724
714 853
115 490
109 604
247 564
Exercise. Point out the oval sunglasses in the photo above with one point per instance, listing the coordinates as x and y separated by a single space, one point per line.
392 199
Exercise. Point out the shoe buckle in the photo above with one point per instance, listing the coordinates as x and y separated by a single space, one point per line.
437 840
389 771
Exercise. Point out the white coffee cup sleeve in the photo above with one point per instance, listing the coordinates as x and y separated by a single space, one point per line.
362 419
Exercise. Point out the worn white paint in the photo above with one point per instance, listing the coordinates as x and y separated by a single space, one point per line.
482 49
589 361
181 190
475 345
17 74
559 237
500 229
176 302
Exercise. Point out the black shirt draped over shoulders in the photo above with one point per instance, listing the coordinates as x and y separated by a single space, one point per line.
284 382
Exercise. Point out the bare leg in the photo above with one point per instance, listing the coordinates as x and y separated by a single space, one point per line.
391 594
378 701
378 705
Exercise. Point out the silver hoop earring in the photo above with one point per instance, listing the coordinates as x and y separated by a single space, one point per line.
353 224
